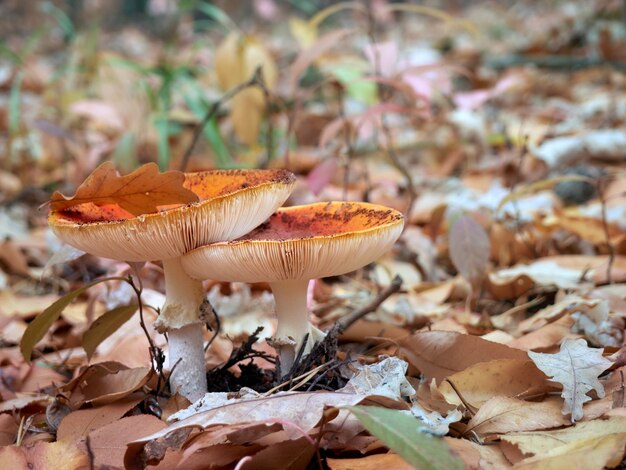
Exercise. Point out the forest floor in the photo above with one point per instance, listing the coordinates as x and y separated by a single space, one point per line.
490 336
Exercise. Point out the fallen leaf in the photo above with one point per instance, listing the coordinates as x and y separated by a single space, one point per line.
140 192
502 377
543 442
8 430
439 354
286 455
385 378
108 443
106 382
42 455
502 415
370 462
577 368
469 248
78 424
593 453
298 412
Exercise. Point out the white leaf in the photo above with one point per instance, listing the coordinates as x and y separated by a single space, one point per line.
577 367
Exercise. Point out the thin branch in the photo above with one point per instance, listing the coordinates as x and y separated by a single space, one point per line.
255 80
389 148
345 322
605 227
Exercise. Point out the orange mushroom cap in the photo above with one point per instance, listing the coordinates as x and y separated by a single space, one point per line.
301 242
232 202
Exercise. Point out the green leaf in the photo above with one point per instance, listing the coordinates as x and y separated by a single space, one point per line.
42 323
15 100
214 136
408 437
105 326
61 17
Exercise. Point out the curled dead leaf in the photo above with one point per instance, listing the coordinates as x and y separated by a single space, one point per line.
140 192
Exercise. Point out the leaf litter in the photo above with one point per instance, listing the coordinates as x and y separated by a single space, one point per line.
503 346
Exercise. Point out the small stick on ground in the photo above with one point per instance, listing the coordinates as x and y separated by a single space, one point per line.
345 322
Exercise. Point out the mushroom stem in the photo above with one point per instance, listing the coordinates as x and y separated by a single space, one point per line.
293 321
179 317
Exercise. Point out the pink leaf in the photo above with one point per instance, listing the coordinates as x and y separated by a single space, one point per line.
308 56
321 175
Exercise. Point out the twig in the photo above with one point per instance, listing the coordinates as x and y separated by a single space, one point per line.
389 147
347 134
255 80
343 323
90 455
217 326
156 355
605 227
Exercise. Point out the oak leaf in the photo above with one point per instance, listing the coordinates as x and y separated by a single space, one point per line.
140 192
577 367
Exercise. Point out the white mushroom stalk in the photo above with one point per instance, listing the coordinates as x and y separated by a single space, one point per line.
295 245
293 322
179 318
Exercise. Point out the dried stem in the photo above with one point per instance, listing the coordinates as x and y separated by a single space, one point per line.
389 148
255 80
605 227
157 358
345 322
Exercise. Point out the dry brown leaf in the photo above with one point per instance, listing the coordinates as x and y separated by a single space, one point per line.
502 415
42 455
78 424
286 455
8 430
108 443
140 192
543 442
439 354
22 401
370 462
593 453
502 377
106 382
577 367
478 457
298 412
545 337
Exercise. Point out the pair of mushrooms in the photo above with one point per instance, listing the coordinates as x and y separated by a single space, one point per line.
286 249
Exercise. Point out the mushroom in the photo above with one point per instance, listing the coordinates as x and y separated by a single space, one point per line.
295 245
231 203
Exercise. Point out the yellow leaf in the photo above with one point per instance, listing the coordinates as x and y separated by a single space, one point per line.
236 60
246 113
303 32
140 192
593 453
543 442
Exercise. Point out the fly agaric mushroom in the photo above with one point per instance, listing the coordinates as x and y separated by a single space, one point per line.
231 203
295 245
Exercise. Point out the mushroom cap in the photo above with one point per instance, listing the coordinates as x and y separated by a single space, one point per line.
301 242
231 203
